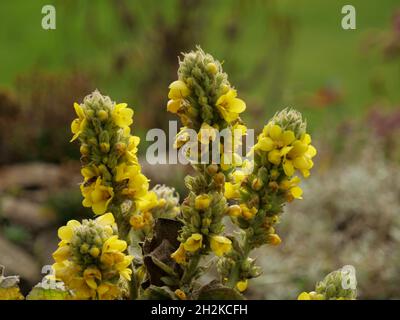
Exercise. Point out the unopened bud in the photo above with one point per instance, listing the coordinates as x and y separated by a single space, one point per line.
219 178
202 202
234 211
84 149
257 184
94 252
212 68
212 169
104 147
102 115
274 239
273 185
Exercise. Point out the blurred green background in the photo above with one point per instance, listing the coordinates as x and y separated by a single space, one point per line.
277 53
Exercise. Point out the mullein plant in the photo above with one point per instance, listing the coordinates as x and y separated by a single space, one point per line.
261 188
256 190
145 244
205 102
335 286
9 289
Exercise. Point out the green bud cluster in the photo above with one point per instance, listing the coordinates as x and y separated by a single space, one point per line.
49 289
87 242
168 202
205 221
103 142
332 287
290 119
207 82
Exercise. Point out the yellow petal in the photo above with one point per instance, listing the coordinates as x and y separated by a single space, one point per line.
296 192
237 105
304 296
274 157
265 144
79 111
173 105
311 151
65 233
302 163
178 90
100 207
285 150
288 137
106 219
288 168
275 132
306 138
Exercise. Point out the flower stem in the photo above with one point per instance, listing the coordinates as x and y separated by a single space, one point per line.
190 270
234 275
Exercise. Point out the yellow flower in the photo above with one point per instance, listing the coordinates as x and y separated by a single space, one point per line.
232 190
97 196
248 213
299 157
202 202
220 245
11 293
111 253
292 186
90 259
180 294
108 291
92 276
123 267
304 296
62 253
193 243
234 211
124 172
122 115
274 239
311 296
229 160
229 106
89 172
132 149
148 201
137 187
178 90
207 133
79 123
179 255
106 220
242 285
181 138
65 233
137 222
173 105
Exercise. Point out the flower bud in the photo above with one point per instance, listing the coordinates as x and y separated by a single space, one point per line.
94 252
102 115
84 149
202 202
274 239
212 169
212 68
242 285
104 147
257 184
234 211
219 179
120 147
